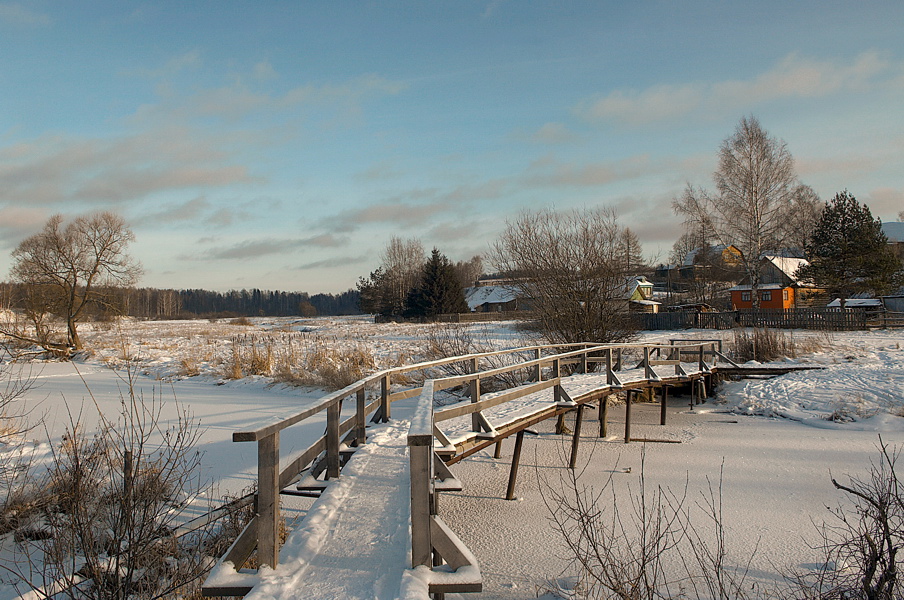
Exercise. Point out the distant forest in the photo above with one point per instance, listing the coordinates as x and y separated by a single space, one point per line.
174 304
154 303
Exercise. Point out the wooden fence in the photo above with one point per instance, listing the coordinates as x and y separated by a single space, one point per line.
823 319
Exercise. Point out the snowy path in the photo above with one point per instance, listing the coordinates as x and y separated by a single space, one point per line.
355 541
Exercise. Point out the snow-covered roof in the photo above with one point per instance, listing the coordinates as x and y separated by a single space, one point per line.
488 294
786 265
894 231
856 303
762 286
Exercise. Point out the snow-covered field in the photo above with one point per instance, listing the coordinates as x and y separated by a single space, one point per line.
778 439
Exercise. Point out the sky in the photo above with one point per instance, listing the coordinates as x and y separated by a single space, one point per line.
279 145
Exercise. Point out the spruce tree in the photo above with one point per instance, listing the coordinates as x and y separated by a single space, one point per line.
439 292
848 253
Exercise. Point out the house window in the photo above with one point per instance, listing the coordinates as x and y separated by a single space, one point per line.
766 296
745 296
785 295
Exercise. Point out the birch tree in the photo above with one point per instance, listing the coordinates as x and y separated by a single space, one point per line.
755 184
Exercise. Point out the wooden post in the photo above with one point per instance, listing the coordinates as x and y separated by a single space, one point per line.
609 377
268 500
663 403
604 416
557 390
702 365
332 439
384 397
584 361
618 359
576 438
361 418
474 392
628 416
647 369
498 452
421 460
538 374
513 474
693 393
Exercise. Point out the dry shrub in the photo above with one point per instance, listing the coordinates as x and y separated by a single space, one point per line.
241 321
762 345
460 340
647 546
862 542
188 367
333 368
112 502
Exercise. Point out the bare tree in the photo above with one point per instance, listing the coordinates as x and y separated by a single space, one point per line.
803 215
469 271
402 261
64 267
571 269
755 185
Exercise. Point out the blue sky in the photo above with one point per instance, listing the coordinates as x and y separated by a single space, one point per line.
278 145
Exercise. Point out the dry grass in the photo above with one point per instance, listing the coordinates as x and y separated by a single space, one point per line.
299 359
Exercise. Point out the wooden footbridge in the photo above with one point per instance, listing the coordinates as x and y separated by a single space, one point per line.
375 530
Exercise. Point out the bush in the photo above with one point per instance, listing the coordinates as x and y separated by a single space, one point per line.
112 501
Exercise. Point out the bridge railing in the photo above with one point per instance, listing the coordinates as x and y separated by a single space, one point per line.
432 543
373 397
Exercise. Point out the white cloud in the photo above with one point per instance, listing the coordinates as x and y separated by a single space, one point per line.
16 14
793 77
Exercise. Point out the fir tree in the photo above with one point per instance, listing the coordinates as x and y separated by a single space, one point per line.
439 292
848 253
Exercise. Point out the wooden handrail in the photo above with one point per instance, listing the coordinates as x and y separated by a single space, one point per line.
271 479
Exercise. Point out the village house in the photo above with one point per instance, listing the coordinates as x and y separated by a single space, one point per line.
638 292
779 287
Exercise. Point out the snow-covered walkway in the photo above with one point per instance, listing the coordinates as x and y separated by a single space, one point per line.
355 541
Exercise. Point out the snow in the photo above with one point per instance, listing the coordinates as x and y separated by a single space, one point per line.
776 440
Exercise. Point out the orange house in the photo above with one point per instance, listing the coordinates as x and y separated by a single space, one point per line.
772 295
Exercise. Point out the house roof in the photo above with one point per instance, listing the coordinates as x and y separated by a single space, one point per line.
762 286
691 256
894 231
786 265
856 302
488 294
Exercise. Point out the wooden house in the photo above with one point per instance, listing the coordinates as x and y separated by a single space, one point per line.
779 287
638 292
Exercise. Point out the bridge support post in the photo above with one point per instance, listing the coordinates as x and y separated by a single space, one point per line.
628 415
604 416
513 474
576 438
268 500
663 403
